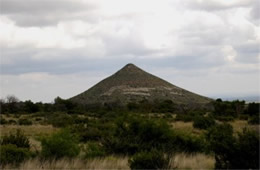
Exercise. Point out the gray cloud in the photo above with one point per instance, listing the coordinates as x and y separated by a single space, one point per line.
46 12
206 41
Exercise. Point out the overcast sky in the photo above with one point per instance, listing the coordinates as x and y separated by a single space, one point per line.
53 48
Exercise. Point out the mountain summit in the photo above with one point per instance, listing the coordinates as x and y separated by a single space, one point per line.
132 84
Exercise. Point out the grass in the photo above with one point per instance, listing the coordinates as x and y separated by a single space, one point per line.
181 160
30 131
77 163
194 161
185 127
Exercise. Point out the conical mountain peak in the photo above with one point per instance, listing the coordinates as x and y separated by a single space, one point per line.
132 84
130 68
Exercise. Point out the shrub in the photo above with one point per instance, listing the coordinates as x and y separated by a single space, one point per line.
149 160
18 139
12 122
224 118
2 121
184 117
24 122
60 120
231 152
94 150
246 154
254 120
184 142
221 141
11 154
61 144
38 119
202 122
133 135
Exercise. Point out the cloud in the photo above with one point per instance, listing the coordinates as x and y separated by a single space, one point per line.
218 4
60 38
45 12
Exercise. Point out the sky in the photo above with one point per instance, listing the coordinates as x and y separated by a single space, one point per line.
53 48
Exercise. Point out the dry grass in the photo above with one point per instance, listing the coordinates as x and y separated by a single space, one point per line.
195 161
98 163
239 125
185 127
182 161
30 131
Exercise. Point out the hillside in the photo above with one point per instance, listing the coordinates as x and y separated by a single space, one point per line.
132 84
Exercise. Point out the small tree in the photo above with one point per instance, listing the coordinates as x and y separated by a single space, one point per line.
150 160
61 144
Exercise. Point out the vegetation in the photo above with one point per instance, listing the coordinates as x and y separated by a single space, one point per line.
14 149
141 135
232 152
150 160
59 145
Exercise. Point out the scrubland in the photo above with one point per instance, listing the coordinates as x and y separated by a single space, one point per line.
131 139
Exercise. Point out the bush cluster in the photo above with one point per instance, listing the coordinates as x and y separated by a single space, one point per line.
14 149
232 152
153 159
202 122
94 150
60 144
24 122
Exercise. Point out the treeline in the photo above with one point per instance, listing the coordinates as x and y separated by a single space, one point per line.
221 110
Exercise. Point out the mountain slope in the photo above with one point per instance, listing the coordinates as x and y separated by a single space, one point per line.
132 84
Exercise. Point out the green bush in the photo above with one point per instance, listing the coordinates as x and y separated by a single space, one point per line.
11 154
133 135
185 142
12 122
254 120
246 154
2 121
24 122
18 139
184 117
224 118
221 141
202 122
149 160
94 150
231 152
60 120
61 144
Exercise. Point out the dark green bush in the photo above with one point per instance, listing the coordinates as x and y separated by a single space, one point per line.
224 118
185 142
24 122
2 121
61 144
184 117
18 139
231 152
12 122
202 122
94 150
149 160
221 141
254 120
60 119
133 135
253 109
11 154
38 119
246 155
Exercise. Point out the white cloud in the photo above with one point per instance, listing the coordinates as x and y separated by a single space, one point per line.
43 39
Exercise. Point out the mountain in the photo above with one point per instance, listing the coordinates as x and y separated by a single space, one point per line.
132 84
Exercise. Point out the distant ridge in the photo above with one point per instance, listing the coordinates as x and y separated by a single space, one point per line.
132 84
